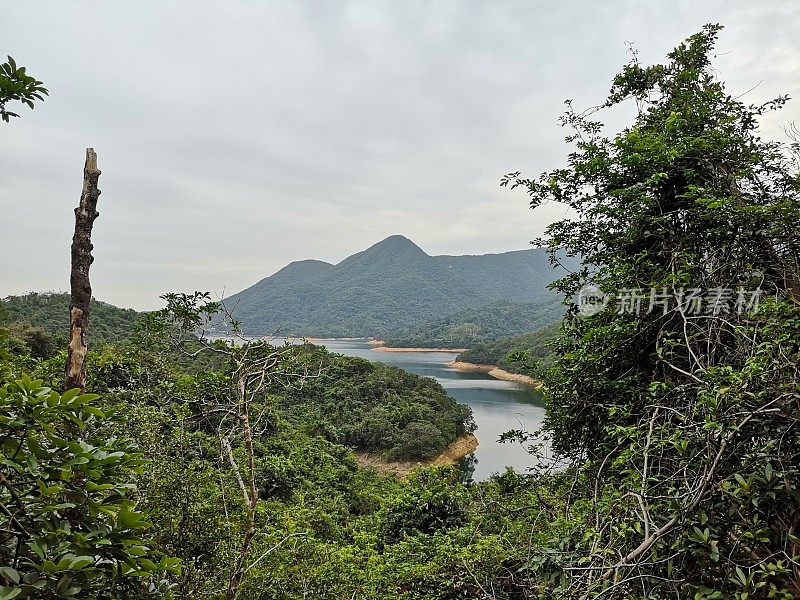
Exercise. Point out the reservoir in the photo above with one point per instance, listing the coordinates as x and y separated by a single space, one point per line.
497 406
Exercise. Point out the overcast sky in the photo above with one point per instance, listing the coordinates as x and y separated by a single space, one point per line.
235 137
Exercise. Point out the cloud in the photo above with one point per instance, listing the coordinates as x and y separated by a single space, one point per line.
236 138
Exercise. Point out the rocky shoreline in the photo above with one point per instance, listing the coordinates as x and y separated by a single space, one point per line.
496 372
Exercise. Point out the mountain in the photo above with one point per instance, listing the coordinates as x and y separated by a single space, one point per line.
387 288
50 311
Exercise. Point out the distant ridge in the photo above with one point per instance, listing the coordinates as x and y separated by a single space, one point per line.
391 286
50 311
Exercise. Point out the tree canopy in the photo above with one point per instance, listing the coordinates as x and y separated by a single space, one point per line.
678 401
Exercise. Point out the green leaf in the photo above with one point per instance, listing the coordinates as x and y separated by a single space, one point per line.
7 593
10 574
81 561
70 395
129 519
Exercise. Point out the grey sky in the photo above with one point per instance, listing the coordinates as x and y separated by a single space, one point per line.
235 137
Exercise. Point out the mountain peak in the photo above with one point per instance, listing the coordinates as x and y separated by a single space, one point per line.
389 287
396 243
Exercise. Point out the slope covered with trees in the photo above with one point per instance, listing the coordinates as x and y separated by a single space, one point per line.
476 326
515 353
50 311
391 286
375 407
160 487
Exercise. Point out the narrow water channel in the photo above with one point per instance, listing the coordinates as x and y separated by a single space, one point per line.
497 406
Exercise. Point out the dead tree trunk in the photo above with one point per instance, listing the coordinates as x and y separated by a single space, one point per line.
80 288
251 495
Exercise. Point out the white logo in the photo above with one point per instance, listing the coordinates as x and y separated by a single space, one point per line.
591 300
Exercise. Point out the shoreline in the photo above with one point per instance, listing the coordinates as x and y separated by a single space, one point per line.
392 349
463 446
326 339
496 372
379 345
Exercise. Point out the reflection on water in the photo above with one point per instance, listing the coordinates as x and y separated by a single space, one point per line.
497 406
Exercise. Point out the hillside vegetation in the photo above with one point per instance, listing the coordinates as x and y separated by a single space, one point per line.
50 311
515 353
371 406
475 326
306 473
390 287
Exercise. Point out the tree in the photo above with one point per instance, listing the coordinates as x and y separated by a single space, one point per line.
434 500
17 86
68 521
32 340
80 285
253 365
679 418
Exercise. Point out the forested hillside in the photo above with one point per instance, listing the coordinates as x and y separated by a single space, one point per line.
481 325
514 354
374 407
304 430
50 311
391 286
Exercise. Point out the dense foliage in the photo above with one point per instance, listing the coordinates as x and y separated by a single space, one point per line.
475 326
391 287
681 417
69 528
50 312
325 527
515 354
374 407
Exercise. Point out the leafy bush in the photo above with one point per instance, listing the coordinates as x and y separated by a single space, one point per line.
432 501
69 527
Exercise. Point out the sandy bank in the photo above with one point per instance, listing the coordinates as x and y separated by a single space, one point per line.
496 372
329 339
376 342
451 350
460 448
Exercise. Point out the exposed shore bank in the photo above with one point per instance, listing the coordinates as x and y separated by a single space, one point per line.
326 339
496 372
466 444
390 349
379 345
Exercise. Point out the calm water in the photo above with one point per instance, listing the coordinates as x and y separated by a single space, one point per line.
497 406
